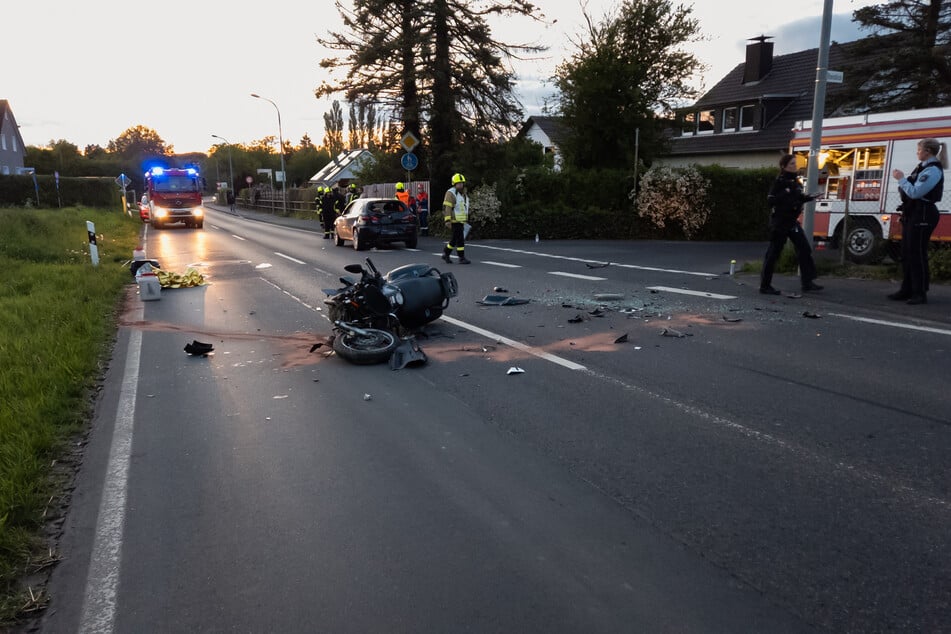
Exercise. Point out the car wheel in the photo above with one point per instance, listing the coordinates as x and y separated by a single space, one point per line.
358 244
338 240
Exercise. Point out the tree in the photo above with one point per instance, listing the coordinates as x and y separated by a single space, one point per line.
139 142
94 151
434 66
629 70
333 129
305 142
305 163
906 61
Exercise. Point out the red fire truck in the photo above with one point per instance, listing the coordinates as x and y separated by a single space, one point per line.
859 197
174 195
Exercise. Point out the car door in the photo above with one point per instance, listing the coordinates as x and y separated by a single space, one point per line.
349 218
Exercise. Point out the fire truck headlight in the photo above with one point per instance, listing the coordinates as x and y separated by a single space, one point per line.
160 212
199 212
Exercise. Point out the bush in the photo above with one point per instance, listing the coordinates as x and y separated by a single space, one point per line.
673 196
939 261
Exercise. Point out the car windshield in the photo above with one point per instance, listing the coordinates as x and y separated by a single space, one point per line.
175 184
384 207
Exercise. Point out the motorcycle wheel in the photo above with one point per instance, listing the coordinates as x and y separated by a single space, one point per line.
375 347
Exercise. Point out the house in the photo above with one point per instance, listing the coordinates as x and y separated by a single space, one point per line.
545 131
12 149
746 119
343 168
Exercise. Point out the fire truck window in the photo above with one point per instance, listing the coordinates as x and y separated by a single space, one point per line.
858 171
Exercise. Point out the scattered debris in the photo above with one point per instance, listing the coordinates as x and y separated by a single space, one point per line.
670 332
732 320
407 353
464 374
499 289
281 396
198 348
621 339
367 397
597 312
599 265
608 297
638 348
793 295
192 277
577 319
654 291
501 300
809 315
567 306
488 348
515 370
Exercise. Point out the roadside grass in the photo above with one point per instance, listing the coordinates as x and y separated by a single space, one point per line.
57 322
828 265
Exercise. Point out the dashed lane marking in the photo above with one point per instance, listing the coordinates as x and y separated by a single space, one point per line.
686 291
287 257
238 237
502 264
577 276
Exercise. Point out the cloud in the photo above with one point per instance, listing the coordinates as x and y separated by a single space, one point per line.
804 34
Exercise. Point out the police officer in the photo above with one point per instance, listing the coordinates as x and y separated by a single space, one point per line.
920 192
327 214
456 213
787 198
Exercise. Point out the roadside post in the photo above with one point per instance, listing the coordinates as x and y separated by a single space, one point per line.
93 247
59 199
123 182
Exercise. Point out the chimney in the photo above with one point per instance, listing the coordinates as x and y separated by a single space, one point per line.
759 59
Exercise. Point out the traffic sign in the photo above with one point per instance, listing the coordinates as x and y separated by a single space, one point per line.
835 76
409 141
249 180
409 161
123 181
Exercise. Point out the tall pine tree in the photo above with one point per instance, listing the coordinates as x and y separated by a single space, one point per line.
905 63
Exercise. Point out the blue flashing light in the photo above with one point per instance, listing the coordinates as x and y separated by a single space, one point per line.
192 171
157 171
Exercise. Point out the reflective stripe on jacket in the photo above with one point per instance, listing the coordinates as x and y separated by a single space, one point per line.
456 206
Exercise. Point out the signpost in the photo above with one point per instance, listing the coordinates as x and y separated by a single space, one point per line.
123 182
58 198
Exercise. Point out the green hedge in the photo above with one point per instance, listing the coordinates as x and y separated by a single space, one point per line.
738 203
18 191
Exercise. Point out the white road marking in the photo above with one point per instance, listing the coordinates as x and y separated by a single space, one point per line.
413 250
324 272
287 257
102 581
590 278
684 291
238 237
518 345
215 227
294 297
503 264
586 261
893 324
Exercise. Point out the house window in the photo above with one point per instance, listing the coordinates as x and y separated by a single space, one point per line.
5 170
729 119
3 141
688 123
14 143
747 114
707 122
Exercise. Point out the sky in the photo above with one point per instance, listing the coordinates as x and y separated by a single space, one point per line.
87 71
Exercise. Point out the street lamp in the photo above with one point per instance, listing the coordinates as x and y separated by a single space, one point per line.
280 140
230 171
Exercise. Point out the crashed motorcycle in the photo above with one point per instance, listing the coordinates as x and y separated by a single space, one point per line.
375 317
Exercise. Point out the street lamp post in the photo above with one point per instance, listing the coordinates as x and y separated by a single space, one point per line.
230 170
280 140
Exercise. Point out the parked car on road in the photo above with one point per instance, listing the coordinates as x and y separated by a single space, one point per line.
370 222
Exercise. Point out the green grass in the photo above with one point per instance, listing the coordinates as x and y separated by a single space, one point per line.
57 323
940 261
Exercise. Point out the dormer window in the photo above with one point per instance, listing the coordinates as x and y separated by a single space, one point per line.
706 121
729 119
747 116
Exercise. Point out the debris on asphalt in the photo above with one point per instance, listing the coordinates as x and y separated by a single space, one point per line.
670 332
367 397
793 296
408 353
499 289
597 312
608 297
515 370
502 300
599 265
621 339
198 348
809 315
192 277
577 319
732 320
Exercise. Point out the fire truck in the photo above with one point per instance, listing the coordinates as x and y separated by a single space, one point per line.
858 196
174 195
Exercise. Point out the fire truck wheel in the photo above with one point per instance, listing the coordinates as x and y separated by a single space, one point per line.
864 243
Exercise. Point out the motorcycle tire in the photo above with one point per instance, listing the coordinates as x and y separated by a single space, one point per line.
377 347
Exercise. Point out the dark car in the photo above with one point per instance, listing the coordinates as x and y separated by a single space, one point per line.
370 222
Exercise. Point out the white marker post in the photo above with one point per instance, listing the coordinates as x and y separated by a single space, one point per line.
93 248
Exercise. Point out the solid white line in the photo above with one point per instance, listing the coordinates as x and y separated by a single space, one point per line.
294 297
413 250
287 257
684 291
503 264
518 345
893 324
577 276
238 237
586 261
102 582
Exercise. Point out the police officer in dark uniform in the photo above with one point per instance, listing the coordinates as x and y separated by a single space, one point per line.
920 192
786 199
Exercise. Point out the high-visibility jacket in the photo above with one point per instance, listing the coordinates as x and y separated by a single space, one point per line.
403 197
455 206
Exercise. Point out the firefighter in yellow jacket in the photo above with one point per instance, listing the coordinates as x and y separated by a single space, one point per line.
456 213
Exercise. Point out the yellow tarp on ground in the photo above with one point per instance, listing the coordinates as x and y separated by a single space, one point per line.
169 279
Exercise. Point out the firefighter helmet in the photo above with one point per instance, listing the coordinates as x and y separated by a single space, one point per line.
400 187
458 178
352 187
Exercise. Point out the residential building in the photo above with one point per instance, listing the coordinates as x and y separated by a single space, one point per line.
547 132
342 168
12 149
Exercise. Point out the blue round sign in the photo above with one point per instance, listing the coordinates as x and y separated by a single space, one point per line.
409 162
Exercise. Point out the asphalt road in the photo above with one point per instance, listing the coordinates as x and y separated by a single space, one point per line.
766 472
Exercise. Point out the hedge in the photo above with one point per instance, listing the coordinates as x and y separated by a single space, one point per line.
18 191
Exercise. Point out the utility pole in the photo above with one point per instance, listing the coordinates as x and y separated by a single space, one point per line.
818 110
230 171
280 140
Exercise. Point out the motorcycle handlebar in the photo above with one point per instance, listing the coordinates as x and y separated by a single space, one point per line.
371 267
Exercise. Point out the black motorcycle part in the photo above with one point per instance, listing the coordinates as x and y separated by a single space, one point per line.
367 348
409 270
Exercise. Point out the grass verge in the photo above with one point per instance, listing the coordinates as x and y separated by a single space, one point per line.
57 324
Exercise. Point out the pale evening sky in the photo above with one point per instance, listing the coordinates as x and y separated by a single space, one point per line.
86 71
